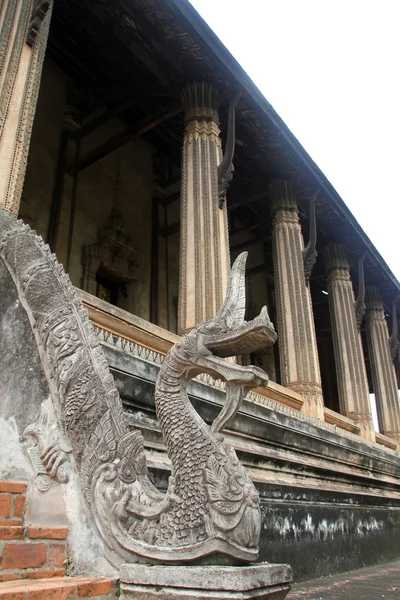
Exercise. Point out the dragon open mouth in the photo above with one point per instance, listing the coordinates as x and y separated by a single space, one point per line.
251 336
228 334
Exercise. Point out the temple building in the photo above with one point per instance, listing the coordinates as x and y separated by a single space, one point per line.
138 148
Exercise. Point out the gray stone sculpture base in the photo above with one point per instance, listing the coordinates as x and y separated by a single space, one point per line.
167 582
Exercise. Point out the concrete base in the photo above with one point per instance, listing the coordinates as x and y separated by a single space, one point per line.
167 582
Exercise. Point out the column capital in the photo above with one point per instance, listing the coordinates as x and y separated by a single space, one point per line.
335 257
201 102
282 196
373 298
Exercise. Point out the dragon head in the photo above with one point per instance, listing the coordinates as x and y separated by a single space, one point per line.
228 334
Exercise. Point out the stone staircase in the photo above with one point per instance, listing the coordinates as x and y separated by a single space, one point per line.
33 559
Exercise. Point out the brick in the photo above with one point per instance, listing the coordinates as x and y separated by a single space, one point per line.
94 587
11 594
23 556
49 591
5 505
56 555
19 506
11 576
11 533
49 533
10 522
41 574
15 487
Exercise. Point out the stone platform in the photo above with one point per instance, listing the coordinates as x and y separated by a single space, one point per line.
167 582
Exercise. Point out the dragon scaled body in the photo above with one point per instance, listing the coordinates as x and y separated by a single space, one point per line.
211 506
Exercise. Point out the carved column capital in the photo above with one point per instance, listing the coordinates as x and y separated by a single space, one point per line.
282 196
201 102
373 299
335 258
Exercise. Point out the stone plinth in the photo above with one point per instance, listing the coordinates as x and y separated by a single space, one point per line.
296 332
258 581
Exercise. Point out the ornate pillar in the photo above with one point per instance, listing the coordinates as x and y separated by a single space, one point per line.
204 245
24 26
296 332
382 368
350 367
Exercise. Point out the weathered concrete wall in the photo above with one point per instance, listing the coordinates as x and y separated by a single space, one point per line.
330 503
95 187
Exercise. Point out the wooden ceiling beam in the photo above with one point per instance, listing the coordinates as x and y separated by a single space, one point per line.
106 115
119 40
151 34
112 144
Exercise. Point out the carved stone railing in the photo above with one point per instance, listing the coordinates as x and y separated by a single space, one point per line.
151 343
135 330
384 440
340 421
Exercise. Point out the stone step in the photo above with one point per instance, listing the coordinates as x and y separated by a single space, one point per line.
59 588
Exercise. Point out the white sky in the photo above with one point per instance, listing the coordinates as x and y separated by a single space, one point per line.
330 68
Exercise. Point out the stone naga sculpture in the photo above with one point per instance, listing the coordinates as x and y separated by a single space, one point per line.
211 506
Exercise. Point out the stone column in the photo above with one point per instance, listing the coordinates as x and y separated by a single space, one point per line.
24 26
349 359
204 244
296 332
382 368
